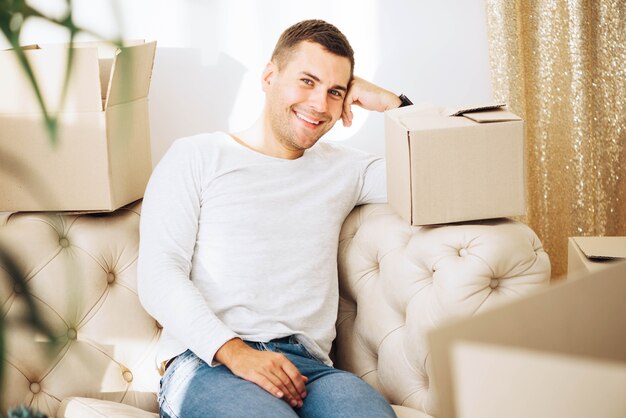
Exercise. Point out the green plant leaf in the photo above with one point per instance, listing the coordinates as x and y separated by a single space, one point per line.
13 15
33 317
23 411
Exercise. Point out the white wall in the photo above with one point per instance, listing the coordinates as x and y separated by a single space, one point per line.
211 54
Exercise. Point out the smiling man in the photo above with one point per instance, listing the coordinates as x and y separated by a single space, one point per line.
239 236
304 91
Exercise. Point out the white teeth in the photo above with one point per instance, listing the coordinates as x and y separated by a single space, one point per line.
304 118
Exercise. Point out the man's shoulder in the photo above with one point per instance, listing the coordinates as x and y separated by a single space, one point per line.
200 140
195 146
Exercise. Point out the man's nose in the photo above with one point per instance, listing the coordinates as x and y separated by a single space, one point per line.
319 100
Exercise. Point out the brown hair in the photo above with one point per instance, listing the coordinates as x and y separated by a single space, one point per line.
316 31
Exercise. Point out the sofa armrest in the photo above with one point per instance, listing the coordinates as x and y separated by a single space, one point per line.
398 281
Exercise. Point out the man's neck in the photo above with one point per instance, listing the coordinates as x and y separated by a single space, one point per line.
260 138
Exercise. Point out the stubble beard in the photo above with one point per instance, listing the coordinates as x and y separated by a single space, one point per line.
285 133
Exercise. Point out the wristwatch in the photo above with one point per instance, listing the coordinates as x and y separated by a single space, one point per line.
404 101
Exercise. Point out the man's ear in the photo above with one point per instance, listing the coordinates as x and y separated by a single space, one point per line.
268 75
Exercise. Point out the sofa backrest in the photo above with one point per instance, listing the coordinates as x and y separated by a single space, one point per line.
81 273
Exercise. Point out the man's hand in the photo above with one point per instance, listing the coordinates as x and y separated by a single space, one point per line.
369 96
271 371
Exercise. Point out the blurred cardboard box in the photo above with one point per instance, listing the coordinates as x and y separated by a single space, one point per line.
590 254
102 159
452 165
557 353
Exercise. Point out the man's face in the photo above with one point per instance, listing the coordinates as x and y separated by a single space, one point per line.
304 98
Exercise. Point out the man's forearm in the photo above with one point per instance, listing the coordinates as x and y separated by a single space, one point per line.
368 96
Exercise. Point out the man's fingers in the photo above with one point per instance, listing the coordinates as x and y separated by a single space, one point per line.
271 371
346 114
274 378
267 384
292 380
292 396
294 376
346 118
273 384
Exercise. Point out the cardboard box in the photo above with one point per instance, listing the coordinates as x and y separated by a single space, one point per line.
590 254
102 158
455 165
560 352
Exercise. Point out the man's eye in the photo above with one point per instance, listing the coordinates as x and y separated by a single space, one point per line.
335 93
307 81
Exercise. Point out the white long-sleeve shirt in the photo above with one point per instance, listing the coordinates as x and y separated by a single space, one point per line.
235 243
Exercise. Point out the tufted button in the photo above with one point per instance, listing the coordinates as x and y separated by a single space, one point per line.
35 387
110 277
72 334
128 376
64 242
17 288
463 252
494 283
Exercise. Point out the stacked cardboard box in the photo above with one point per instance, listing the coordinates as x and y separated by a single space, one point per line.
452 165
101 160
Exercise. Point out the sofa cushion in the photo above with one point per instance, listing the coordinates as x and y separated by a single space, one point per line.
94 408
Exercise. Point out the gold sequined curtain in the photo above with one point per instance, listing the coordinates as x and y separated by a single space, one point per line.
561 65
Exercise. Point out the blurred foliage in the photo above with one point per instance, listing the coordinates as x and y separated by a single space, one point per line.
32 316
14 14
24 412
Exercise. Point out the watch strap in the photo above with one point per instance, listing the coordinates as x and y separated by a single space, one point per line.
405 101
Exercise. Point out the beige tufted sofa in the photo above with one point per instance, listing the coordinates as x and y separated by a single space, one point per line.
397 282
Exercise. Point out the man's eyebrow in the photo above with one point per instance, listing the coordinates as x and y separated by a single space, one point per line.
316 78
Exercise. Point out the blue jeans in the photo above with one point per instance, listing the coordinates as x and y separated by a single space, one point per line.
192 389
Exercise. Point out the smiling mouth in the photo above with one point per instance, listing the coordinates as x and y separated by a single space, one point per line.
307 119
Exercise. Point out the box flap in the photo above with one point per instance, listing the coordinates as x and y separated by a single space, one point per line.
602 248
459 111
131 73
484 114
492 116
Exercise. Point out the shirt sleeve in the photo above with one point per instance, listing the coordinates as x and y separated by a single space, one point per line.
374 181
168 229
